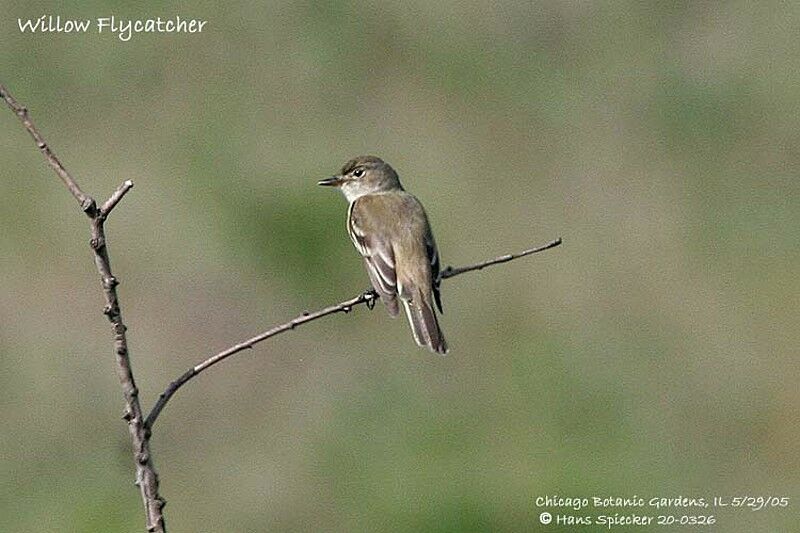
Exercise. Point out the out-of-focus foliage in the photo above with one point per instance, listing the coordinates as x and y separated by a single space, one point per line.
654 353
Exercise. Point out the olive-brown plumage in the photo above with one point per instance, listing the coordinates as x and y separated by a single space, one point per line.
390 229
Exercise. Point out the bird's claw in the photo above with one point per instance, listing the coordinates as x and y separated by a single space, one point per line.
371 298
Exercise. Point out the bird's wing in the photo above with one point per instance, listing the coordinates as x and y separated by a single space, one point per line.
378 258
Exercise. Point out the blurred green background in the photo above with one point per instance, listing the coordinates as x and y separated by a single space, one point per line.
654 353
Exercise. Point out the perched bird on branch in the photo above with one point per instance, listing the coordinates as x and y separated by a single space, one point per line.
390 229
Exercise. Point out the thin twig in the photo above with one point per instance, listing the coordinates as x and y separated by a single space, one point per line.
449 272
146 475
112 202
86 202
369 298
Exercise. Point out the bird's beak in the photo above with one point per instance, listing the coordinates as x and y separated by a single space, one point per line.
333 181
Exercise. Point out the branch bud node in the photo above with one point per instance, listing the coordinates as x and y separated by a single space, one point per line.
88 206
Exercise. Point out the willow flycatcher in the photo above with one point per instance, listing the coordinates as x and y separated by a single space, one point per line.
390 229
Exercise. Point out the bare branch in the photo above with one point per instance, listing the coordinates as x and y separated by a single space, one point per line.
112 202
449 272
369 298
86 202
146 475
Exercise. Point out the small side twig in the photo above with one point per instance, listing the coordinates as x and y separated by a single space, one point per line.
146 475
112 202
450 272
369 298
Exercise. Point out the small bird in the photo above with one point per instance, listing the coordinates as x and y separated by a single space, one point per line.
390 229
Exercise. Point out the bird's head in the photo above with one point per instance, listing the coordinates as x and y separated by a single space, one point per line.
365 174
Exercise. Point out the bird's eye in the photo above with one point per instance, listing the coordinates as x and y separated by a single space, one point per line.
358 172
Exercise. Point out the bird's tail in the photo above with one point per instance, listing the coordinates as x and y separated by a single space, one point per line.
423 322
